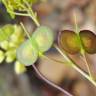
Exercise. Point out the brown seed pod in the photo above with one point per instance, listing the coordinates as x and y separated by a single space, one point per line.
68 41
88 40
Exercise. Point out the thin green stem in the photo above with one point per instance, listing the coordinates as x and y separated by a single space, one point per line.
29 13
81 46
87 65
35 20
22 6
32 14
75 22
50 82
52 59
75 67
19 14
22 25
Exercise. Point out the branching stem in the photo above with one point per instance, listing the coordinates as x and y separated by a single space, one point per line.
41 76
50 82
81 46
75 67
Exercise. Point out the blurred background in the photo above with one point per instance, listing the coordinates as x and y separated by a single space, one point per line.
57 14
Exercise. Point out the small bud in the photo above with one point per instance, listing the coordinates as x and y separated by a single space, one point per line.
10 56
4 45
12 45
19 68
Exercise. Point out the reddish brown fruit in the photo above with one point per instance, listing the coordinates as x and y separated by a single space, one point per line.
68 41
88 40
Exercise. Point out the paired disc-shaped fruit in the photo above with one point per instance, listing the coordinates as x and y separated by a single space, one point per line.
41 40
88 40
44 38
68 41
27 53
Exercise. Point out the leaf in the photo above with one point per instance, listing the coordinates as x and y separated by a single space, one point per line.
68 41
6 32
27 53
88 39
44 38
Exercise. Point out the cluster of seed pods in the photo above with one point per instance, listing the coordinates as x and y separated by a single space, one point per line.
40 42
43 38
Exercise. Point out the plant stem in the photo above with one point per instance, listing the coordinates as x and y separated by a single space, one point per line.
36 22
52 59
29 13
19 14
81 46
75 67
32 14
50 82
87 65
22 25
75 22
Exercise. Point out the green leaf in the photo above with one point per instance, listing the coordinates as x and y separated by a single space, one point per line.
44 38
5 32
27 53
68 41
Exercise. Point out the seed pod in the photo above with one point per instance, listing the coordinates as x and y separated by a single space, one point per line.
6 31
88 39
44 38
10 55
4 44
27 53
68 41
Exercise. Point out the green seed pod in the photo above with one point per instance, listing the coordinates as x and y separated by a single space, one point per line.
88 39
6 31
19 68
10 55
18 34
4 45
27 53
44 38
68 41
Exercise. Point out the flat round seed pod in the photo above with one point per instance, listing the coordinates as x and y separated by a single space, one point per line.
88 39
44 38
68 41
6 31
27 53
